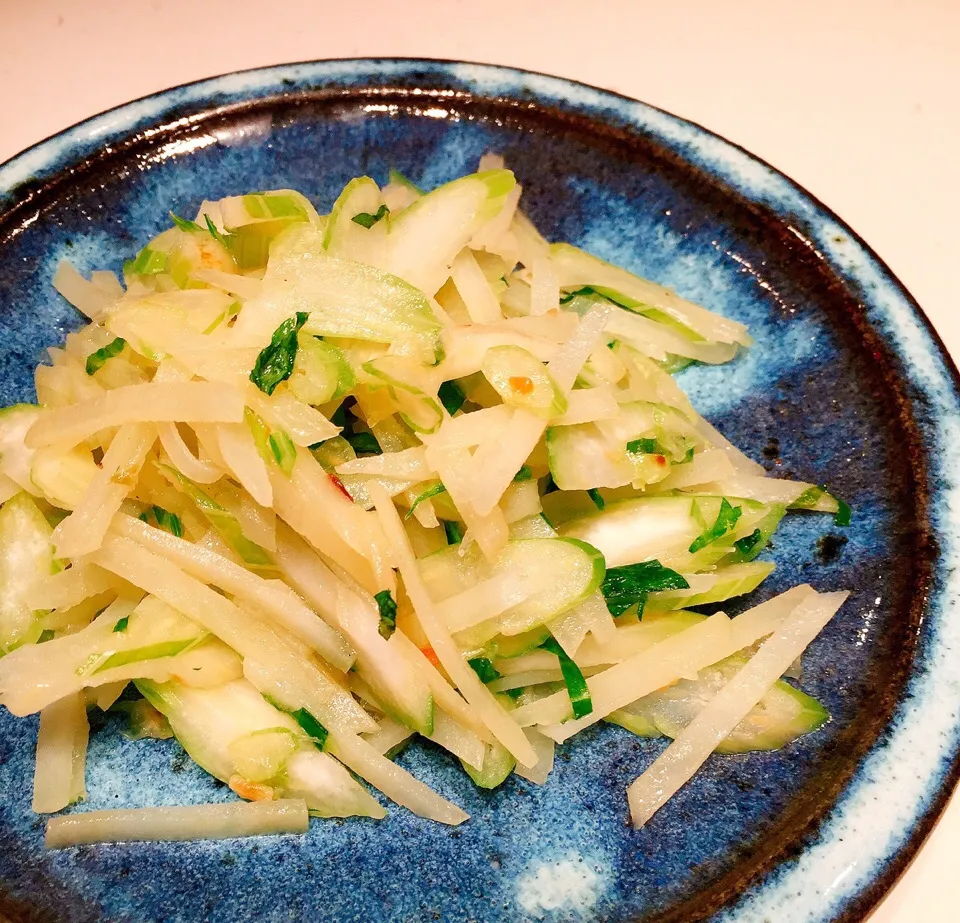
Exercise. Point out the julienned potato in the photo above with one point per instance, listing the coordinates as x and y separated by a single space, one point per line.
315 484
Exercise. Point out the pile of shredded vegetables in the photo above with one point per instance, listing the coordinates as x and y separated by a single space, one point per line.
306 486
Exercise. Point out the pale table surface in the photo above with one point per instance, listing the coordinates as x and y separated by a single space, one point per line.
857 100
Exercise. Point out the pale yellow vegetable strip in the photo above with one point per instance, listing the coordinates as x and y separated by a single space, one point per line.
203 472
444 695
61 754
586 405
468 277
468 429
497 460
70 587
458 739
174 402
83 530
486 600
389 735
83 295
8 488
396 783
281 410
236 445
490 711
677 657
633 678
193 822
688 752
544 286
249 637
545 748
271 597
409 464
107 695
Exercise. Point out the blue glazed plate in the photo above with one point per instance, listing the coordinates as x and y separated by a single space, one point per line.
847 385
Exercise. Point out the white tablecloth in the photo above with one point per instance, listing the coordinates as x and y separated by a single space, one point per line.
857 100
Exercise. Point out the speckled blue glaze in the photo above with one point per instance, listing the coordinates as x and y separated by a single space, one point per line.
846 385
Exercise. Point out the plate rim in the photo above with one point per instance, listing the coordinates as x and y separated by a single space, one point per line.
29 171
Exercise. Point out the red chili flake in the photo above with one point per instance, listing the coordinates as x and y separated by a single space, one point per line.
660 460
521 384
431 655
339 485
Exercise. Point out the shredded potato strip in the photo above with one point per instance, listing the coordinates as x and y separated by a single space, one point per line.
491 712
83 530
174 402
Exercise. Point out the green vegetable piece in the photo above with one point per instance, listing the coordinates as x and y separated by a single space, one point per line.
284 451
484 669
311 726
452 396
366 220
147 263
524 474
624 586
364 443
842 518
514 693
808 498
594 495
122 624
169 521
431 491
645 447
727 517
388 613
222 520
190 226
577 687
748 543
453 532
275 362
47 635
95 361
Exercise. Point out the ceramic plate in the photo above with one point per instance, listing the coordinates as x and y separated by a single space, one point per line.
847 385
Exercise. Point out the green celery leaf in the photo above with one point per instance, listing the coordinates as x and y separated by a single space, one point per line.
95 361
484 669
275 362
451 396
624 586
577 687
727 518
388 613
366 220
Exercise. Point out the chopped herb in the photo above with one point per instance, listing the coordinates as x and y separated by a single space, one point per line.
364 443
727 517
224 239
185 225
747 544
687 457
95 361
339 417
484 669
842 518
46 635
122 624
514 693
275 362
598 500
645 447
283 450
169 521
577 687
453 532
388 612
451 396
312 727
624 586
431 491
366 220
524 474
